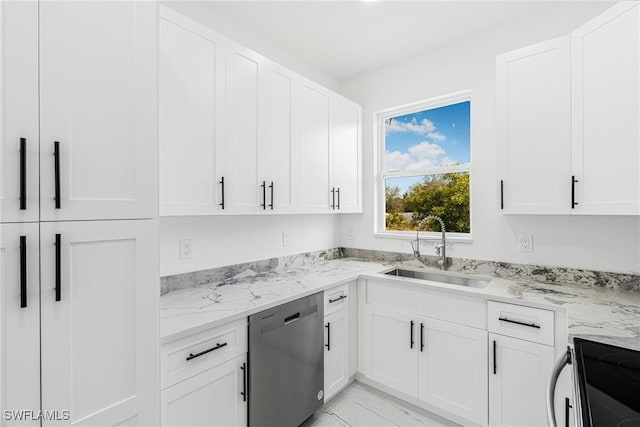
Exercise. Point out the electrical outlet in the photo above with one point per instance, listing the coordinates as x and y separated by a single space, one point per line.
525 242
350 233
285 239
185 249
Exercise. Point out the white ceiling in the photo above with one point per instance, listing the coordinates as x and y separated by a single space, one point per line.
344 39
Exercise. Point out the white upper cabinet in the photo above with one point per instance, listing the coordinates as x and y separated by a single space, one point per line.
191 115
606 112
98 110
245 129
279 152
313 134
19 146
346 154
533 107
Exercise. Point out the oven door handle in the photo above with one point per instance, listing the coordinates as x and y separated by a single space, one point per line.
551 390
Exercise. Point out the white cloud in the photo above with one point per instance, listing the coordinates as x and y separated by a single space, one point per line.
424 127
426 150
436 136
396 160
421 156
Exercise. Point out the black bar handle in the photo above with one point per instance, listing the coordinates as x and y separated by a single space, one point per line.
573 191
292 318
341 297
202 353
411 340
58 267
495 364
421 336
56 167
567 406
23 174
328 344
264 195
531 325
243 393
23 271
221 182
501 194
333 197
271 189
338 192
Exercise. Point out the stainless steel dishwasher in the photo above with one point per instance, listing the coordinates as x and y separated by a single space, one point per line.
286 363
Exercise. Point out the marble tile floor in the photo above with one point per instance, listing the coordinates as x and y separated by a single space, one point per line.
362 406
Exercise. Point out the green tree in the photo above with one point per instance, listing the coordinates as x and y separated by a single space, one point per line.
396 221
393 200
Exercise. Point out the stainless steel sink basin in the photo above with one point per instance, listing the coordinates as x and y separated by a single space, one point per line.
449 278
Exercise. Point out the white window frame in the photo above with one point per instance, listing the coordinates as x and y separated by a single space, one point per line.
379 197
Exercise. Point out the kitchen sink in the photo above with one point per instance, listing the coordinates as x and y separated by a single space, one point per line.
450 278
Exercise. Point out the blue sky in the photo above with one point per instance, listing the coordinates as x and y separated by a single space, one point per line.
427 139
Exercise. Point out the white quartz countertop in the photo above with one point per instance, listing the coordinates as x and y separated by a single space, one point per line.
606 315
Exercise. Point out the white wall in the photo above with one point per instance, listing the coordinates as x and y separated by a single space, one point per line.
597 243
225 240
206 14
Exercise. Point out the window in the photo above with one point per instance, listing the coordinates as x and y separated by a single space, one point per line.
425 165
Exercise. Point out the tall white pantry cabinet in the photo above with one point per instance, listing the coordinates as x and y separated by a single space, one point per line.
78 255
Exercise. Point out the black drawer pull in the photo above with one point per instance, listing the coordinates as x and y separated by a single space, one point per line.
531 325
573 191
411 340
23 271
243 393
567 407
328 344
501 194
338 193
58 267
56 167
341 297
218 346
495 364
264 195
221 182
23 174
333 197
271 189
421 337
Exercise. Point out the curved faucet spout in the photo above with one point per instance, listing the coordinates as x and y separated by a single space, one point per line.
440 247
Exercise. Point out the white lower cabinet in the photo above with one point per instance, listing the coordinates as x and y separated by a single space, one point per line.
214 397
336 352
452 368
519 371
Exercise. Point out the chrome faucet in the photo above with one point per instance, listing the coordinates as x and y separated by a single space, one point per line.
440 246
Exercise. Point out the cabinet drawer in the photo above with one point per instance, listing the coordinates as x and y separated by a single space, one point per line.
336 298
189 356
527 323
460 309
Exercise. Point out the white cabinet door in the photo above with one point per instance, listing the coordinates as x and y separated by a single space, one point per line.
98 101
346 154
533 110
245 129
518 375
390 349
312 143
100 321
19 321
191 115
19 149
279 153
606 112
212 398
453 368
336 352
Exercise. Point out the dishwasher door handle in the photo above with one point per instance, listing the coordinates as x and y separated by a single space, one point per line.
292 318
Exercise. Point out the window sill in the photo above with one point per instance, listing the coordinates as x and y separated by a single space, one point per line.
411 235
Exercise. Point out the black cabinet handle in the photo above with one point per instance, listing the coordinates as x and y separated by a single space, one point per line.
338 192
56 167
58 267
531 325
495 366
271 189
501 194
243 393
264 195
573 191
218 346
421 336
341 297
333 197
328 344
23 271
221 182
567 406
411 340
23 174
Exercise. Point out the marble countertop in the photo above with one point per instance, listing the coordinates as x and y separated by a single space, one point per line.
606 315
